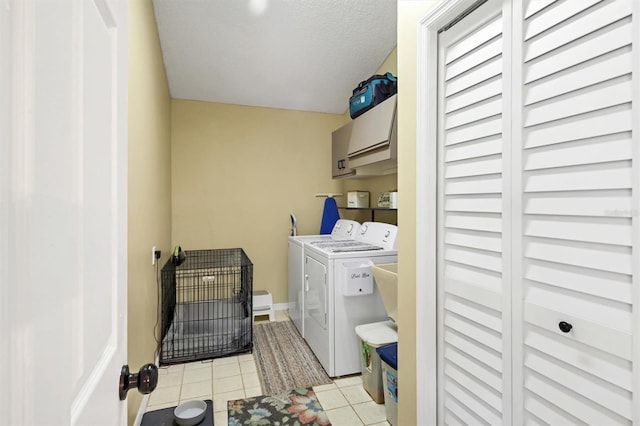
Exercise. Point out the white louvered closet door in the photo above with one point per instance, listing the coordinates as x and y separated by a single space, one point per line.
577 214
474 358
539 208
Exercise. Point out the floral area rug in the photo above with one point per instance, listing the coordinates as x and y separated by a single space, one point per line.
296 407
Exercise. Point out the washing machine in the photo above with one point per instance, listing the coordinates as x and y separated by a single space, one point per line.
340 293
344 229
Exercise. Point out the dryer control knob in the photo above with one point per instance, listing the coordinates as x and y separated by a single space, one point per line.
363 229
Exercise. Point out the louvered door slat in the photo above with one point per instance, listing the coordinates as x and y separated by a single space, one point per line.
600 149
602 68
477 111
602 42
611 93
577 27
475 239
477 388
571 403
480 278
465 46
490 360
579 305
458 413
548 414
482 54
480 129
478 314
605 122
591 230
478 371
481 413
615 203
475 148
606 285
600 176
481 222
489 184
476 293
601 257
469 89
555 15
534 7
485 165
489 203
578 382
600 364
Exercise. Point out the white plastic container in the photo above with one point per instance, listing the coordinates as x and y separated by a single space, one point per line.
372 336
357 199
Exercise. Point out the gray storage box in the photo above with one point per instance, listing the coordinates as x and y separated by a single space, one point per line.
372 336
389 357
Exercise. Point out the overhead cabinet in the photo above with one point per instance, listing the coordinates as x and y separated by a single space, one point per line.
367 145
538 235
340 147
374 136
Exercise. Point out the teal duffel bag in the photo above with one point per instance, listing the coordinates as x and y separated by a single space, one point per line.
371 92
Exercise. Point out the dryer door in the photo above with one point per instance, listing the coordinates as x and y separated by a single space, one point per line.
315 307
317 332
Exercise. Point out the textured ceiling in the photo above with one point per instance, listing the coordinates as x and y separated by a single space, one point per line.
303 55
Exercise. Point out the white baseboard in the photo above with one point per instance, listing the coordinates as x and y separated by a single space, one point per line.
280 306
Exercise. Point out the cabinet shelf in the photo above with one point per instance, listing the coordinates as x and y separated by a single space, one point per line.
373 210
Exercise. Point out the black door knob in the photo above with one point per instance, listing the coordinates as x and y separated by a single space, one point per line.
145 380
564 326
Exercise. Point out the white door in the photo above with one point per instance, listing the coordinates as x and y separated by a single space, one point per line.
538 214
315 298
316 332
63 77
473 248
575 223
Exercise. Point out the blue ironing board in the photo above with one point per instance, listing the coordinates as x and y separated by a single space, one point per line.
330 216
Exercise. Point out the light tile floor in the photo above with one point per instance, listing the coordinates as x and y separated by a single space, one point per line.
345 400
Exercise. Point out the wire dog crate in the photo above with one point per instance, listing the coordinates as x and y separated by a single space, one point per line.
206 306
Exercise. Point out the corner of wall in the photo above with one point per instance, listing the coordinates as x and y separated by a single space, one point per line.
149 184
409 14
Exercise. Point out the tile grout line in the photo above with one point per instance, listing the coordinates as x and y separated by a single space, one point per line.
244 388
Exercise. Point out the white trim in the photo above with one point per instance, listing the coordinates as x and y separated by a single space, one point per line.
142 409
516 317
145 401
426 209
635 292
281 306
507 212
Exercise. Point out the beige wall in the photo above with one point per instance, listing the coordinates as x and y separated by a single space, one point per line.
237 173
409 13
149 184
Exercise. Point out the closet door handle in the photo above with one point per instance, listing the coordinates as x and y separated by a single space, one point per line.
306 282
564 326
